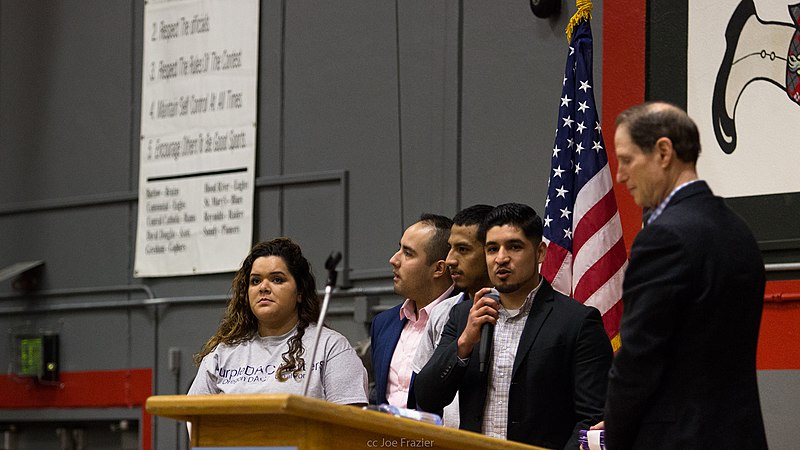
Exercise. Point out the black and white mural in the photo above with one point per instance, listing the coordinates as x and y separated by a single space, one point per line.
743 72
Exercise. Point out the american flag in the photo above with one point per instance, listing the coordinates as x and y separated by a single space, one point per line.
586 254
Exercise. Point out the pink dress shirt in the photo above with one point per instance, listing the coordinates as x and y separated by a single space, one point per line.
401 366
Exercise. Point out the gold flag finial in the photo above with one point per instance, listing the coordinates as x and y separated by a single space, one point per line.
584 13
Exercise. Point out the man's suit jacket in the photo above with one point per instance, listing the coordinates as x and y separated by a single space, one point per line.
385 333
685 376
558 382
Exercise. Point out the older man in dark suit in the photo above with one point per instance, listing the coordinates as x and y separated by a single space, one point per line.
685 376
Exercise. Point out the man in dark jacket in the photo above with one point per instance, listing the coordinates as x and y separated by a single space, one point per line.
546 375
685 376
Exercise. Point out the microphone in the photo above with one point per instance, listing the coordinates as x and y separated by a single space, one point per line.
330 264
487 332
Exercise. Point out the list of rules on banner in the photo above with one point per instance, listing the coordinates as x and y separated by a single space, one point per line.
198 136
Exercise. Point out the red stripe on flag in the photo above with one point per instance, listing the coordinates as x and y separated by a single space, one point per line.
601 271
552 262
594 220
611 319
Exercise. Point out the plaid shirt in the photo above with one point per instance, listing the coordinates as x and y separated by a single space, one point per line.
507 333
663 205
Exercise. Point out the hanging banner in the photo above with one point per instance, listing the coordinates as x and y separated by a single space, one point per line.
198 135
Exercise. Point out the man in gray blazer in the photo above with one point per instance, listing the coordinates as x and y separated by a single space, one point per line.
685 376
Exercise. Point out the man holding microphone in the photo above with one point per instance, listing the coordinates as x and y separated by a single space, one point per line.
545 377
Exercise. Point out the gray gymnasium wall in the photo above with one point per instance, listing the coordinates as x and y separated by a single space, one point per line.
370 113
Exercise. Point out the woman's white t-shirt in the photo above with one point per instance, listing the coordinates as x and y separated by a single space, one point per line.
337 375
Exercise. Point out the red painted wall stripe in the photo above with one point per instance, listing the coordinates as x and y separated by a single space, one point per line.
779 339
94 389
624 24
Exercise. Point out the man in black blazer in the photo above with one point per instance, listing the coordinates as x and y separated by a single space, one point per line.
685 376
546 375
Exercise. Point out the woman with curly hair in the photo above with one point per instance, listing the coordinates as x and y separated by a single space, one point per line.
270 322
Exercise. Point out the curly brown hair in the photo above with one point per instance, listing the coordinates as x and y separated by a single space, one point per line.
240 324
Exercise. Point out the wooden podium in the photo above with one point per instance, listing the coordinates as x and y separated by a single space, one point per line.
280 420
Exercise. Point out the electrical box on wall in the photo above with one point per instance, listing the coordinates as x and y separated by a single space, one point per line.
37 356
